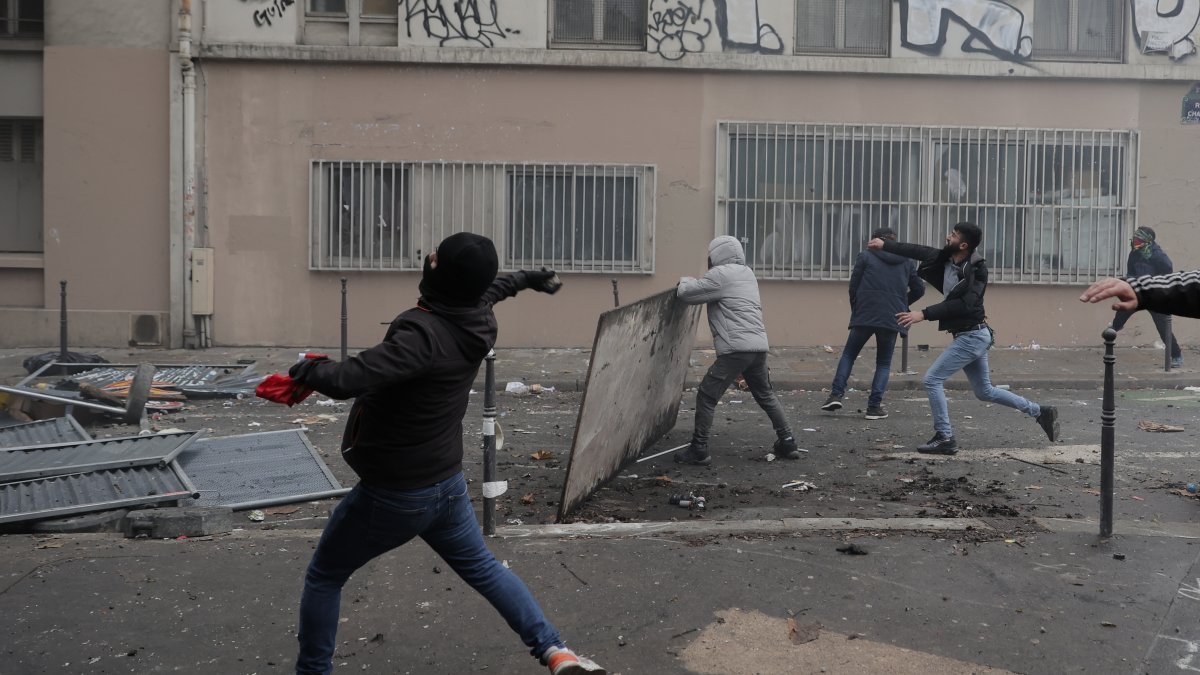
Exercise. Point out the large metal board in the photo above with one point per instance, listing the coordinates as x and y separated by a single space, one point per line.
43 432
81 456
255 470
58 496
635 379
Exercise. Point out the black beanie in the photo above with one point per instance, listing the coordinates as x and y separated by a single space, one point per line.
466 266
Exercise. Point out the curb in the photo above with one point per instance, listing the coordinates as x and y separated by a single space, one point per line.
733 527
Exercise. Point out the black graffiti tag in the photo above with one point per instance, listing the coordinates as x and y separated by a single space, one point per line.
678 27
264 17
457 21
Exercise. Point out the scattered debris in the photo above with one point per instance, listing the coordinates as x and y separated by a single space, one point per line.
527 499
1148 425
801 633
257 515
686 501
852 549
315 419
282 510
517 388
542 454
800 486
1118 556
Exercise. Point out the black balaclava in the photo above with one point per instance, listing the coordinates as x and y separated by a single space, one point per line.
466 266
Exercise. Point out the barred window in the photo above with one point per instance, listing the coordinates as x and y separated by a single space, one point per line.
22 18
1054 204
1091 30
850 27
20 185
569 217
598 23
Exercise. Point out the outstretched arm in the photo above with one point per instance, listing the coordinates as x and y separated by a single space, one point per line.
1177 293
503 287
914 251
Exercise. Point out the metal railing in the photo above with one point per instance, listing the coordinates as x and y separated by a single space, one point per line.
369 215
1054 204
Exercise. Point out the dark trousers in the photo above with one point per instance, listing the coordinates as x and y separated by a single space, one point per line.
1161 321
885 346
752 366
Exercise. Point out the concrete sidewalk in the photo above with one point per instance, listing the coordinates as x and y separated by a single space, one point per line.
808 368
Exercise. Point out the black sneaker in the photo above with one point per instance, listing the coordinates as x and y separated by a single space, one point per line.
1048 421
693 454
940 444
875 413
786 448
832 403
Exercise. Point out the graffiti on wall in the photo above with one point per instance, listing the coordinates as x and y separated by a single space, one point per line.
1168 31
681 27
677 28
992 26
455 21
743 30
274 10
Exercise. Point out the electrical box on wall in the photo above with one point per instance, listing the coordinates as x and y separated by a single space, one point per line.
202 281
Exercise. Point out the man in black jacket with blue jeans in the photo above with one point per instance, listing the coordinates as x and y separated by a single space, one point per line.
882 285
960 273
404 440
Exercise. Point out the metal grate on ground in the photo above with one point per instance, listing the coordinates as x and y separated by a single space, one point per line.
58 496
43 432
79 457
257 470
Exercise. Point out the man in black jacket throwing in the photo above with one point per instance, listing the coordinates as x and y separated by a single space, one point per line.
960 273
404 440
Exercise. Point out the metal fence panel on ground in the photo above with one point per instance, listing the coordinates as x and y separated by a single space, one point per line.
43 432
58 496
255 470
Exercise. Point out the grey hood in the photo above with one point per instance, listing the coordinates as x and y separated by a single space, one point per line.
726 250
730 290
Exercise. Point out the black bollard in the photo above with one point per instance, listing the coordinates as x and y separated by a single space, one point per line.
904 353
343 318
616 297
1170 340
1108 419
489 445
62 321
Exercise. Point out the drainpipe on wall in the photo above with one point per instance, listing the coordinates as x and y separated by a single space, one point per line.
189 167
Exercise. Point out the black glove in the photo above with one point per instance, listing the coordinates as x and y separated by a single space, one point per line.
543 280
301 368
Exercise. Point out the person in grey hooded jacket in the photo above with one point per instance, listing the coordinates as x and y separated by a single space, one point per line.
735 319
881 286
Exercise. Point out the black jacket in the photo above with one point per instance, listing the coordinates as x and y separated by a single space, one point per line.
411 390
962 306
1138 265
882 285
1177 293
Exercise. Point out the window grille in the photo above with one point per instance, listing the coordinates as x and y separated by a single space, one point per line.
20 185
1054 204
568 217
22 18
1089 30
598 23
850 27
330 8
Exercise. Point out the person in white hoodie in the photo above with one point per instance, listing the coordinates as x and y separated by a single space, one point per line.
730 290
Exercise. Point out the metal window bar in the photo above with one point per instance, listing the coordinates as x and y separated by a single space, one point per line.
384 216
619 24
803 198
850 27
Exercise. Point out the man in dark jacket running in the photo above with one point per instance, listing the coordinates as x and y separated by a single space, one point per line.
960 274
881 286
1146 258
404 440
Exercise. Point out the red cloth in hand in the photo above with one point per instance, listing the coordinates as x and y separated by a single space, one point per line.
282 389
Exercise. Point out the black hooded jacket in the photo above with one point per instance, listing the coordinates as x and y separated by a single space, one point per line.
881 285
411 391
962 306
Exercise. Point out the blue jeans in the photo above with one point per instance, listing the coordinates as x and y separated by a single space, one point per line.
885 345
371 521
968 353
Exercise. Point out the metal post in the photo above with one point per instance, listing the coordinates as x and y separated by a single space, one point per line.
62 320
904 353
1108 419
343 318
616 296
489 444
1169 340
